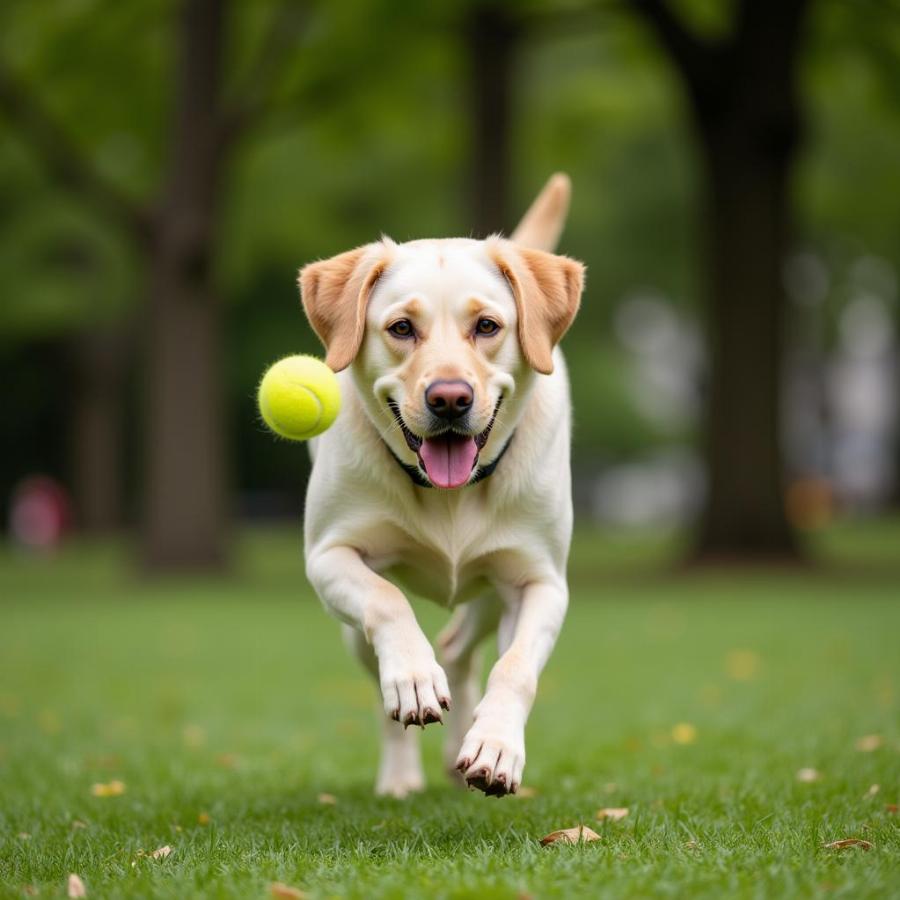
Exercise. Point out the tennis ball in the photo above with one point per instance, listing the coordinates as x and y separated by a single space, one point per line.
299 397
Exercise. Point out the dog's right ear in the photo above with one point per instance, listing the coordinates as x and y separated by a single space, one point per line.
335 293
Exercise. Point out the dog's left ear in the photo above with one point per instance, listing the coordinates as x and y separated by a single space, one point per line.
335 293
547 289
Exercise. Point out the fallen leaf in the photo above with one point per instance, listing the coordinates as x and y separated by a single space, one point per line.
286 892
581 833
846 843
809 775
77 823
203 818
24 836
869 742
110 789
103 761
327 799
873 790
194 736
684 733
613 813
161 852
742 665
75 887
526 791
891 808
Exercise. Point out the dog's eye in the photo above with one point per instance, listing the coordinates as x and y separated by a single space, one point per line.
486 327
401 328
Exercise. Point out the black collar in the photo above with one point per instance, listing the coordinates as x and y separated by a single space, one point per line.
419 480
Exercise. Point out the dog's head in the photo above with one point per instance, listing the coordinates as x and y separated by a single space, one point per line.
440 333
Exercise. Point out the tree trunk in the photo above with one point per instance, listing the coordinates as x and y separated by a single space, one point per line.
490 42
747 174
185 516
97 429
742 98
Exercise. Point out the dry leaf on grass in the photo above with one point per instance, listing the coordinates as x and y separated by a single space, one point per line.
161 852
77 823
286 892
194 736
809 775
613 813
526 791
204 818
869 742
684 733
742 665
327 799
109 789
579 834
847 843
873 790
75 887
891 808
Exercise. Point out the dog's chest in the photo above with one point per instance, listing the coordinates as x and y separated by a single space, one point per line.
446 556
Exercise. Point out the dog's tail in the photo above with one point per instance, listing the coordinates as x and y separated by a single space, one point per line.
542 225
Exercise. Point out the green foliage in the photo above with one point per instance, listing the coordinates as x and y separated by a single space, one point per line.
236 698
366 131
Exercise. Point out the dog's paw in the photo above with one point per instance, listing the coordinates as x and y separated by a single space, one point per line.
492 759
399 778
413 685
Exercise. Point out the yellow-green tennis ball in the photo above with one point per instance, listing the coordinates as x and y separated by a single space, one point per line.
299 397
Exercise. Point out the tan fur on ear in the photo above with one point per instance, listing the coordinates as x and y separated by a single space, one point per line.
335 293
547 289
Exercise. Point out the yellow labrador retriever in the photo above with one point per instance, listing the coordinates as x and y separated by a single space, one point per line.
447 475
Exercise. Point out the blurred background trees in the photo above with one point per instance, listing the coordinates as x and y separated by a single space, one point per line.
165 168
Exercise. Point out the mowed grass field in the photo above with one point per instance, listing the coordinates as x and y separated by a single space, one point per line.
244 737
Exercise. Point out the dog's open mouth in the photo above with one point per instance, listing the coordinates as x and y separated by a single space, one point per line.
448 458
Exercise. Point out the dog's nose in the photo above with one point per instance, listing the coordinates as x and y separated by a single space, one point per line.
449 399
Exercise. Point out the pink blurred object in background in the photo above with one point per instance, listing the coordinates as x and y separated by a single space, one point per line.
40 513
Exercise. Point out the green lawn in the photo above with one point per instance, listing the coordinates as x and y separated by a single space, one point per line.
235 700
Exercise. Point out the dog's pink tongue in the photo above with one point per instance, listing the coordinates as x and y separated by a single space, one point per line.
448 459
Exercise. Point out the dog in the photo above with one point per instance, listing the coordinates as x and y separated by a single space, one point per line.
447 476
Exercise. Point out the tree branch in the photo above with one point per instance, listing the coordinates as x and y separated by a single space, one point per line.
62 160
286 26
691 54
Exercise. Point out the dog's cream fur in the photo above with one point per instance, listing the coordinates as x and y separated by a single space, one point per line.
495 550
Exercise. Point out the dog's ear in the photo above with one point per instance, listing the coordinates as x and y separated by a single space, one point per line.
335 293
547 289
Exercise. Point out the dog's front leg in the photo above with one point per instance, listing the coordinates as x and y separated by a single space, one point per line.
493 752
413 685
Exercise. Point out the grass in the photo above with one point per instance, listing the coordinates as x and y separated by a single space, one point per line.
234 700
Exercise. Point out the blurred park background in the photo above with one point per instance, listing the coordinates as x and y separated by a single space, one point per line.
166 167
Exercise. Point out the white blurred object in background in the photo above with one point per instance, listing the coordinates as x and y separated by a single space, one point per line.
861 390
